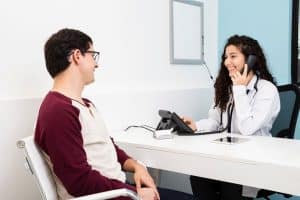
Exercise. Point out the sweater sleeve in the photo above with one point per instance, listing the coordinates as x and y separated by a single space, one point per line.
58 133
122 156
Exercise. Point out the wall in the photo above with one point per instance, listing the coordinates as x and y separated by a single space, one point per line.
17 121
269 22
134 80
132 36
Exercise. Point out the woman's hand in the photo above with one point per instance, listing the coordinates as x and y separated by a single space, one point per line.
190 123
241 79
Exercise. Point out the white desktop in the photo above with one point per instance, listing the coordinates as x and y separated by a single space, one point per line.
262 162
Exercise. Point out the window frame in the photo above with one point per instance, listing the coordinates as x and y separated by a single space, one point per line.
295 63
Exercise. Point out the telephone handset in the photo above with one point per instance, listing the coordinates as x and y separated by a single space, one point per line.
251 61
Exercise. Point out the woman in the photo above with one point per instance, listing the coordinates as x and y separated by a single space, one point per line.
246 102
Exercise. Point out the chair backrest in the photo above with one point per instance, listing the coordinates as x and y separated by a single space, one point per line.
285 123
38 168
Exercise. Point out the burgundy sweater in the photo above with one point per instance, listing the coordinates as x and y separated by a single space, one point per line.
58 134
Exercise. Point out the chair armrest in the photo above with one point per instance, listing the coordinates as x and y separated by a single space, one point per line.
110 194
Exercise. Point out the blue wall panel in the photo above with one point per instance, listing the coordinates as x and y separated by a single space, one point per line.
268 21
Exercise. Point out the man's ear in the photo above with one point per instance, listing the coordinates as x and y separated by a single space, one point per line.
76 56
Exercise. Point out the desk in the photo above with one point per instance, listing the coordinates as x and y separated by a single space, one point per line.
263 162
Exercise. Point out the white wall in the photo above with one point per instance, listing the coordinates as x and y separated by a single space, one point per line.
132 36
135 78
17 121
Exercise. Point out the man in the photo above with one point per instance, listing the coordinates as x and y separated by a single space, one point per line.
70 132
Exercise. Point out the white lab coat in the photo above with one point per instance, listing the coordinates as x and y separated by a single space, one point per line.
253 113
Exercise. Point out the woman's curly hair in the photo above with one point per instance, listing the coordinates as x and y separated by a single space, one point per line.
223 84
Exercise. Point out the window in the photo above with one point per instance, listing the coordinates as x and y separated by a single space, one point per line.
186 32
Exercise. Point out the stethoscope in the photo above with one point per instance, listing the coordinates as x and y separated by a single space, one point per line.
230 110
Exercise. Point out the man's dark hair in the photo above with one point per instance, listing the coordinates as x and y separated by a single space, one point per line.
59 47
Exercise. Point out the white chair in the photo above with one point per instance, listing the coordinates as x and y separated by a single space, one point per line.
44 180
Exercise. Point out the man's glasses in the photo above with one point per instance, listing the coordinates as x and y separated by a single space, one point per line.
95 55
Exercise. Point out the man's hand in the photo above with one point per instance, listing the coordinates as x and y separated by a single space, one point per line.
142 178
147 194
189 122
241 79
